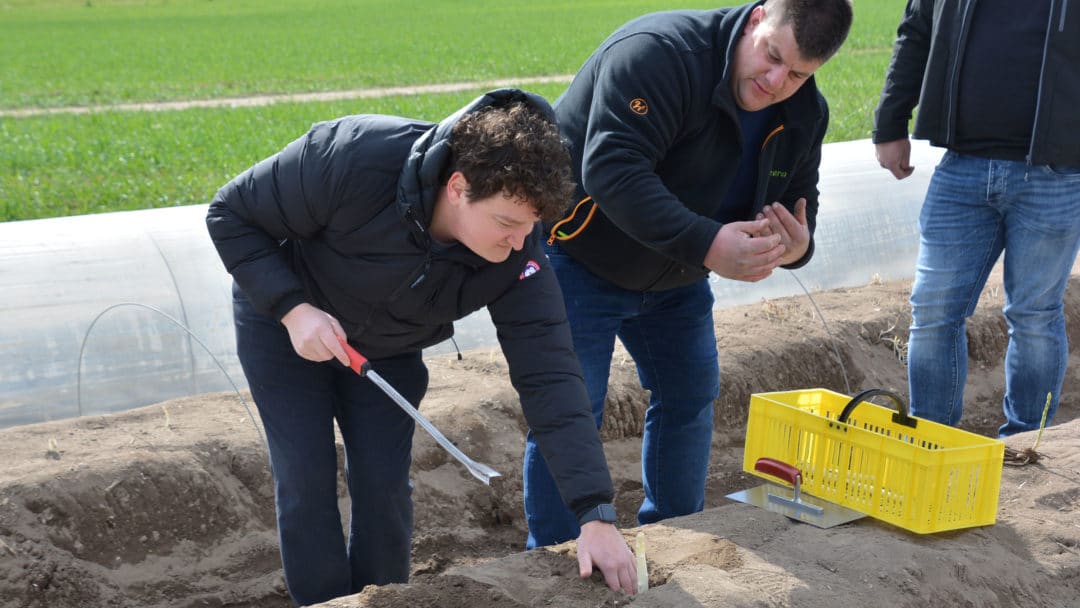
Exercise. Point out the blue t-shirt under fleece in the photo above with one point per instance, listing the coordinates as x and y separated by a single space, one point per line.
738 202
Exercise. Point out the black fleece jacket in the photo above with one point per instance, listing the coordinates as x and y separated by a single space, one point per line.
339 219
656 143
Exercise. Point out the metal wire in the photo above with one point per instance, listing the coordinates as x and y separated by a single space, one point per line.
832 338
191 334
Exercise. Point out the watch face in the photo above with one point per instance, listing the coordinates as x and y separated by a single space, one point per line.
607 513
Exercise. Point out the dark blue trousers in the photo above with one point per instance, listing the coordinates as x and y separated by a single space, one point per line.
299 401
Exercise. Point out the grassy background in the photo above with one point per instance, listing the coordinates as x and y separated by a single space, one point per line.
114 51
66 52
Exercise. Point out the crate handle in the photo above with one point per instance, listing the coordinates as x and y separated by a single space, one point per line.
900 417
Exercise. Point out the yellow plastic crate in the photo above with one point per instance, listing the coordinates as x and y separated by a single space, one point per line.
929 478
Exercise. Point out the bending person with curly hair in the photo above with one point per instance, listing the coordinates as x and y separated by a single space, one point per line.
384 231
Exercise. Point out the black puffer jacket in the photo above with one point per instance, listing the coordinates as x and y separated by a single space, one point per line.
924 70
656 143
339 219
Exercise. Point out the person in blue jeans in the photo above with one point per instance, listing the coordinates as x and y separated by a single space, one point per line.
997 85
383 231
695 139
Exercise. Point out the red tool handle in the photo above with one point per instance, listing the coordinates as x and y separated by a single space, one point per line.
357 362
778 469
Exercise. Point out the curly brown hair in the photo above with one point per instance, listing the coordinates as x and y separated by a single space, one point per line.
516 150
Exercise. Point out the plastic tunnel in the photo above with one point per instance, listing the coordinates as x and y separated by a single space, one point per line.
94 307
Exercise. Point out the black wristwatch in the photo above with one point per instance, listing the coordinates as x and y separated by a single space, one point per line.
604 512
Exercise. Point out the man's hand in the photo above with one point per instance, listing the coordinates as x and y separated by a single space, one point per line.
738 252
895 156
602 545
314 334
793 230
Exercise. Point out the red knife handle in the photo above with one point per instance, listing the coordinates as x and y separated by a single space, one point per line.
357 362
781 470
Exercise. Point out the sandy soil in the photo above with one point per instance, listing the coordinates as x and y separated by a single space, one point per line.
171 505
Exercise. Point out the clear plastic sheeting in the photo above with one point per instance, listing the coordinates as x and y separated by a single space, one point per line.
97 277
59 275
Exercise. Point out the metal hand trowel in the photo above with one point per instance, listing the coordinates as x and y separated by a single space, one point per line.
791 501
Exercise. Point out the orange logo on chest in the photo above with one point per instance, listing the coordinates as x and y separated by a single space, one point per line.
638 106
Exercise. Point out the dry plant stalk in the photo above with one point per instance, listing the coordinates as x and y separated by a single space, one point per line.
1029 455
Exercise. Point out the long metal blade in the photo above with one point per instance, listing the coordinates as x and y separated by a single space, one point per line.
480 471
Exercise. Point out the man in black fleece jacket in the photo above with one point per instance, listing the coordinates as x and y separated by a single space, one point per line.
384 231
695 141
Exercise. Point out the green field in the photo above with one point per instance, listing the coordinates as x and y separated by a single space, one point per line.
63 53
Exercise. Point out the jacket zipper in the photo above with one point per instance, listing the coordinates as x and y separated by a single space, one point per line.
1042 75
771 134
954 76
762 173
556 229
422 271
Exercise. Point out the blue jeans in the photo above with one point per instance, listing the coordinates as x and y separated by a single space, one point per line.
671 338
298 401
976 208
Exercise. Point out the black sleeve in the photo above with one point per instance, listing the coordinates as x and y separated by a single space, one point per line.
903 80
623 148
530 319
286 196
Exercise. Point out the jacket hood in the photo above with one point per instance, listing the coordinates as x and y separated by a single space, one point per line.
428 162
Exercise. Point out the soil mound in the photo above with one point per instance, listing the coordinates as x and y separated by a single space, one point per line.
171 505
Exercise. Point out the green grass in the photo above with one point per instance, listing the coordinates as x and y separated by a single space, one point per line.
86 52
74 164
852 80
76 53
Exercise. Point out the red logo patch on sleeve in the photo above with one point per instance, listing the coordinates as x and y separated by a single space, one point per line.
531 268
